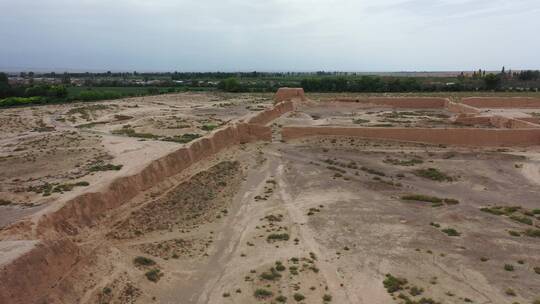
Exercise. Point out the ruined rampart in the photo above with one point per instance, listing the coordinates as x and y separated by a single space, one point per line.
30 277
399 102
454 136
288 94
88 208
502 102
268 115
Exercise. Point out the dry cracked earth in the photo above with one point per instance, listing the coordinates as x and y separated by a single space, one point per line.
319 220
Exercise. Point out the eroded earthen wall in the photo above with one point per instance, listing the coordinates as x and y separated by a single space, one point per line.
88 208
268 115
458 136
30 277
502 102
288 94
400 102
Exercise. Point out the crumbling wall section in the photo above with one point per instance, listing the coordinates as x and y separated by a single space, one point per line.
30 277
455 136
88 208
502 102
268 115
288 94
399 102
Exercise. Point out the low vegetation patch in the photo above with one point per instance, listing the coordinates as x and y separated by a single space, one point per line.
277 237
372 171
359 121
143 261
270 275
433 174
4 202
209 127
451 232
262 293
435 201
406 163
104 167
532 233
182 139
515 213
153 275
393 284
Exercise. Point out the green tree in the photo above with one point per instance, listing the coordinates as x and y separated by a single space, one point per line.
492 81
230 85
4 85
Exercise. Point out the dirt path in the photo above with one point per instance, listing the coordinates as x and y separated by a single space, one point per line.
203 278
328 271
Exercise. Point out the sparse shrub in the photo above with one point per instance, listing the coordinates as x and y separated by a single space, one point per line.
280 267
281 299
271 275
298 297
513 233
416 291
510 292
226 294
372 171
433 174
537 270
208 127
277 237
451 232
293 270
532 232
508 267
105 167
451 201
393 284
143 261
182 139
360 121
522 219
327 298
397 162
154 275
421 198
262 293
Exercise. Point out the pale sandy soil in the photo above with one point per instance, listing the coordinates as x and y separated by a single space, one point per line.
60 144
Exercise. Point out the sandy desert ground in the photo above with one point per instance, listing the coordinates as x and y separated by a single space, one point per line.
311 220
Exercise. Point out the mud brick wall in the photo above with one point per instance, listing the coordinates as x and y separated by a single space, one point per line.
454 136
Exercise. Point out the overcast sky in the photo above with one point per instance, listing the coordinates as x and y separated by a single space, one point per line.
269 35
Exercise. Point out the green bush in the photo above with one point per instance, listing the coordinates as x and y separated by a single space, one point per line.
154 275
278 237
393 284
143 261
298 297
230 85
433 174
451 232
262 293
421 198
